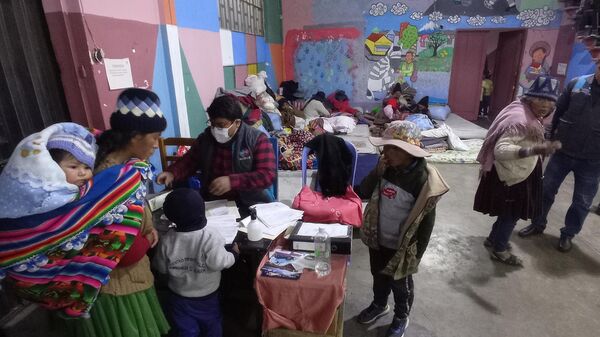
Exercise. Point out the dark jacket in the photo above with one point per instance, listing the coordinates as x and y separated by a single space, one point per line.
335 163
245 138
428 186
576 121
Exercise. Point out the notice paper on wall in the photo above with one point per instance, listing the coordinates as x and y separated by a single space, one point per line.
118 73
561 69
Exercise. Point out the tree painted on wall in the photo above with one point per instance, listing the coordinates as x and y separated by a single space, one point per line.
436 40
409 35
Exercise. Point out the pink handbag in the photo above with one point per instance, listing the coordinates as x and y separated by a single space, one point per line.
346 209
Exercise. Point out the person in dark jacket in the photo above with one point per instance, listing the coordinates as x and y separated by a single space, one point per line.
236 161
403 191
576 124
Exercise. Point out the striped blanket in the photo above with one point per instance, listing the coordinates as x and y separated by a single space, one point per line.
61 258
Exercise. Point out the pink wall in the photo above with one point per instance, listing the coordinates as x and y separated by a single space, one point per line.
86 86
137 10
203 53
296 14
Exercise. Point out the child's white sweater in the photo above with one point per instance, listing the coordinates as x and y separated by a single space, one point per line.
193 261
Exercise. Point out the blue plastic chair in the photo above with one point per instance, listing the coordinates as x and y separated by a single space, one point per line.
306 151
274 188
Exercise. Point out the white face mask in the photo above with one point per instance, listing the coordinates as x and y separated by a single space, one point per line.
221 134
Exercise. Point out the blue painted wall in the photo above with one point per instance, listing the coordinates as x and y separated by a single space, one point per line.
198 14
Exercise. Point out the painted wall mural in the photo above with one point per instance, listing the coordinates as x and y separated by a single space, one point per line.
537 65
411 41
321 59
419 57
324 66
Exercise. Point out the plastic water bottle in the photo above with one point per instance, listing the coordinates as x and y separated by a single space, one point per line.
254 228
322 253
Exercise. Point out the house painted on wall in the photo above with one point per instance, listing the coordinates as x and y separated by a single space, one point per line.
378 44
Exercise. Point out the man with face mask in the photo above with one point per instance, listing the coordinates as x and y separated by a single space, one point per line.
235 161
577 126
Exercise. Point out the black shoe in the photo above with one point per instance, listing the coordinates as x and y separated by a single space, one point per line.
564 244
488 244
530 230
372 313
397 328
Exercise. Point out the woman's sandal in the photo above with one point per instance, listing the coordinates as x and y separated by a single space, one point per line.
506 258
488 244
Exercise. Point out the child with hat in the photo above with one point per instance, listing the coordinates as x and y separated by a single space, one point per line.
192 255
47 170
403 191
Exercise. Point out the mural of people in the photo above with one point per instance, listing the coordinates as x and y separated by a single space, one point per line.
407 72
380 78
538 52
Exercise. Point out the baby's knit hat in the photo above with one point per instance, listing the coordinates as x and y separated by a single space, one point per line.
83 148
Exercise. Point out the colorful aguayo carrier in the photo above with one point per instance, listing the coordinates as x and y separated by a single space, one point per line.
61 258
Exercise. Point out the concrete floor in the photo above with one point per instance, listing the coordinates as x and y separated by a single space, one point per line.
459 291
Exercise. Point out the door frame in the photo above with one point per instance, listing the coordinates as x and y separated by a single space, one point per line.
495 106
457 89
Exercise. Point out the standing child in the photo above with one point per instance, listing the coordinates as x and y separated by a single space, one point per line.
192 256
487 86
398 220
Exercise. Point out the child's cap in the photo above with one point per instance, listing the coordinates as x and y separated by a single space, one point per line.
403 134
77 141
185 207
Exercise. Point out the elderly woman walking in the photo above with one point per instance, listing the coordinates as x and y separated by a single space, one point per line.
511 165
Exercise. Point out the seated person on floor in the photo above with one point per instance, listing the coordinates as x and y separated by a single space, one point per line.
395 107
314 107
341 103
235 161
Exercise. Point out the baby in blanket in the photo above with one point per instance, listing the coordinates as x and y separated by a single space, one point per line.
47 170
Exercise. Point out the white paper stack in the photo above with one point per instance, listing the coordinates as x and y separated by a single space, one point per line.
334 230
222 215
225 225
269 233
276 214
221 207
